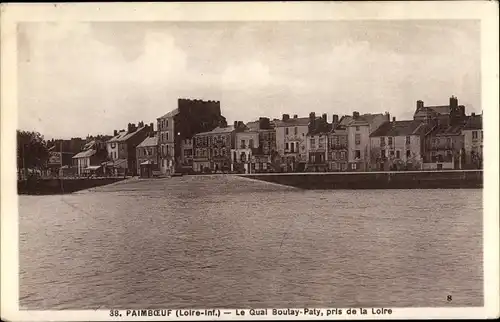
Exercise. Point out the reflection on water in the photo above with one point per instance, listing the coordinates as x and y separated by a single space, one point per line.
229 242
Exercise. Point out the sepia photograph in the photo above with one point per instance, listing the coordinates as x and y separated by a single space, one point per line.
271 168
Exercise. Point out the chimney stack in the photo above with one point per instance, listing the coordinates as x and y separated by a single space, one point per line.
461 110
394 119
472 114
129 127
151 125
115 132
324 117
295 116
335 119
355 114
286 117
420 105
235 124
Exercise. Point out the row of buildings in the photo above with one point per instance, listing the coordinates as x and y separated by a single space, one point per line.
195 138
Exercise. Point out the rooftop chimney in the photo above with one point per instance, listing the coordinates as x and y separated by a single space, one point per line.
129 127
295 116
394 119
335 119
151 126
420 104
115 132
286 117
355 114
324 117
473 114
235 124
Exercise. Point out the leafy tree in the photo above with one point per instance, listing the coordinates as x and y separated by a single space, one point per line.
32 152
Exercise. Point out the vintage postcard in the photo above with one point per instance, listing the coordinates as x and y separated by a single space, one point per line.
249 161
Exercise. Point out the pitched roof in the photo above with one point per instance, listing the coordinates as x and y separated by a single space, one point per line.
444 130
149 141
474 122
253 126
170 114
124 136
218 130
300 121
401 128
85 154
365 119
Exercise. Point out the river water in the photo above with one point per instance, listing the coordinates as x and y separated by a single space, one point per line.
230 242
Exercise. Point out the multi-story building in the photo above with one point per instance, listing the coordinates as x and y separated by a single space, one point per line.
291 142
187 153
358 138
337 155
212 150
121 148
444 145
399 145
90 160
245 144
189 118
473 141
264 157
317 143
147 156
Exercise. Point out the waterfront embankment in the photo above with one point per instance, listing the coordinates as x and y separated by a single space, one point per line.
56 186
447 179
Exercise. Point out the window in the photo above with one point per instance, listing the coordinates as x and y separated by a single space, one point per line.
448 141
408 140
113 145
389 140
358 139
391 153
342 155
242 144
286 146
292 147
357 154
474 135
382 154
357 128
408 154
382 141
166 123
251 144
313 143
286 131
296 130
321 143
354 166
398 154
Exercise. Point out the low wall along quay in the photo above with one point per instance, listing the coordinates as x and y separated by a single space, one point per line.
453 179
60 186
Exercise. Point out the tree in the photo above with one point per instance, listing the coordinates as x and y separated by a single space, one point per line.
32 152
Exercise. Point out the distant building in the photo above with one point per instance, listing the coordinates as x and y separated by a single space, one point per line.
291 142
89 160
473 141
245 145
121 148
189 118
444 145
358 138
317 143
147 156
399 145
212 150
265 156
337 153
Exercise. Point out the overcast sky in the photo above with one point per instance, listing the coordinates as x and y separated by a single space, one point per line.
91 78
